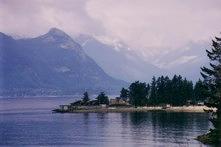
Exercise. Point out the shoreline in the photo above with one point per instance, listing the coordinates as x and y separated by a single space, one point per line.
189 109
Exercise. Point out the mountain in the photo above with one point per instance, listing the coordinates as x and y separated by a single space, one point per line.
118 60
50 64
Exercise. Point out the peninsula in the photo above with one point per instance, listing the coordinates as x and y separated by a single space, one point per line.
102 104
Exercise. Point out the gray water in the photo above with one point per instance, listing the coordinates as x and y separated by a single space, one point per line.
30 122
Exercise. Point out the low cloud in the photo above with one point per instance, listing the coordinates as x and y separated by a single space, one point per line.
180 61
148 26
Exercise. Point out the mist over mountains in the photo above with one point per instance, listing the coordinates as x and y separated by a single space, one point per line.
120 61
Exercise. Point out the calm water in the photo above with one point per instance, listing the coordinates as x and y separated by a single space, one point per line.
29 121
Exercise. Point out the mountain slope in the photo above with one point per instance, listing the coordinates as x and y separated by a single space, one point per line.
51 63
119 61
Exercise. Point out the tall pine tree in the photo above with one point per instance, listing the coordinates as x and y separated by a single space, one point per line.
85 98
212 77
138 94
153 97
124 93
102 99
200 91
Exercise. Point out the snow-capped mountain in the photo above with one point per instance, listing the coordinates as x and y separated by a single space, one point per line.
118 60
122 62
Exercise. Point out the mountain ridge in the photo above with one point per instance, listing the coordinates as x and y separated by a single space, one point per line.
51 63
119 61
131 66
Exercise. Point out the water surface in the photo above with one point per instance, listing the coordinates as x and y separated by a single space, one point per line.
29 121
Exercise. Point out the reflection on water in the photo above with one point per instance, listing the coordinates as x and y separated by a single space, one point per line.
34 124
164 127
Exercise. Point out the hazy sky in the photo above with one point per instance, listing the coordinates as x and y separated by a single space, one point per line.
150 26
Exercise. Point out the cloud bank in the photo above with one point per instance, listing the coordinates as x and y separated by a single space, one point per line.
149 26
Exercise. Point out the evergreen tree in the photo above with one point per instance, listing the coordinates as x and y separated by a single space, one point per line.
186 91
200 91
175 90
85 98
148 91
167 90
124 93
102 99
138 94
153 97
212 77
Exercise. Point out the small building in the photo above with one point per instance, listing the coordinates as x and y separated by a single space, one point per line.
165 106
103 105
118 101
200 103
190 102
64 107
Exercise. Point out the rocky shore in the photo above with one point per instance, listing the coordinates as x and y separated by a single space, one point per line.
198 109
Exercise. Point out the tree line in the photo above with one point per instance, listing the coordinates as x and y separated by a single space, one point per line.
102 98
163 90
